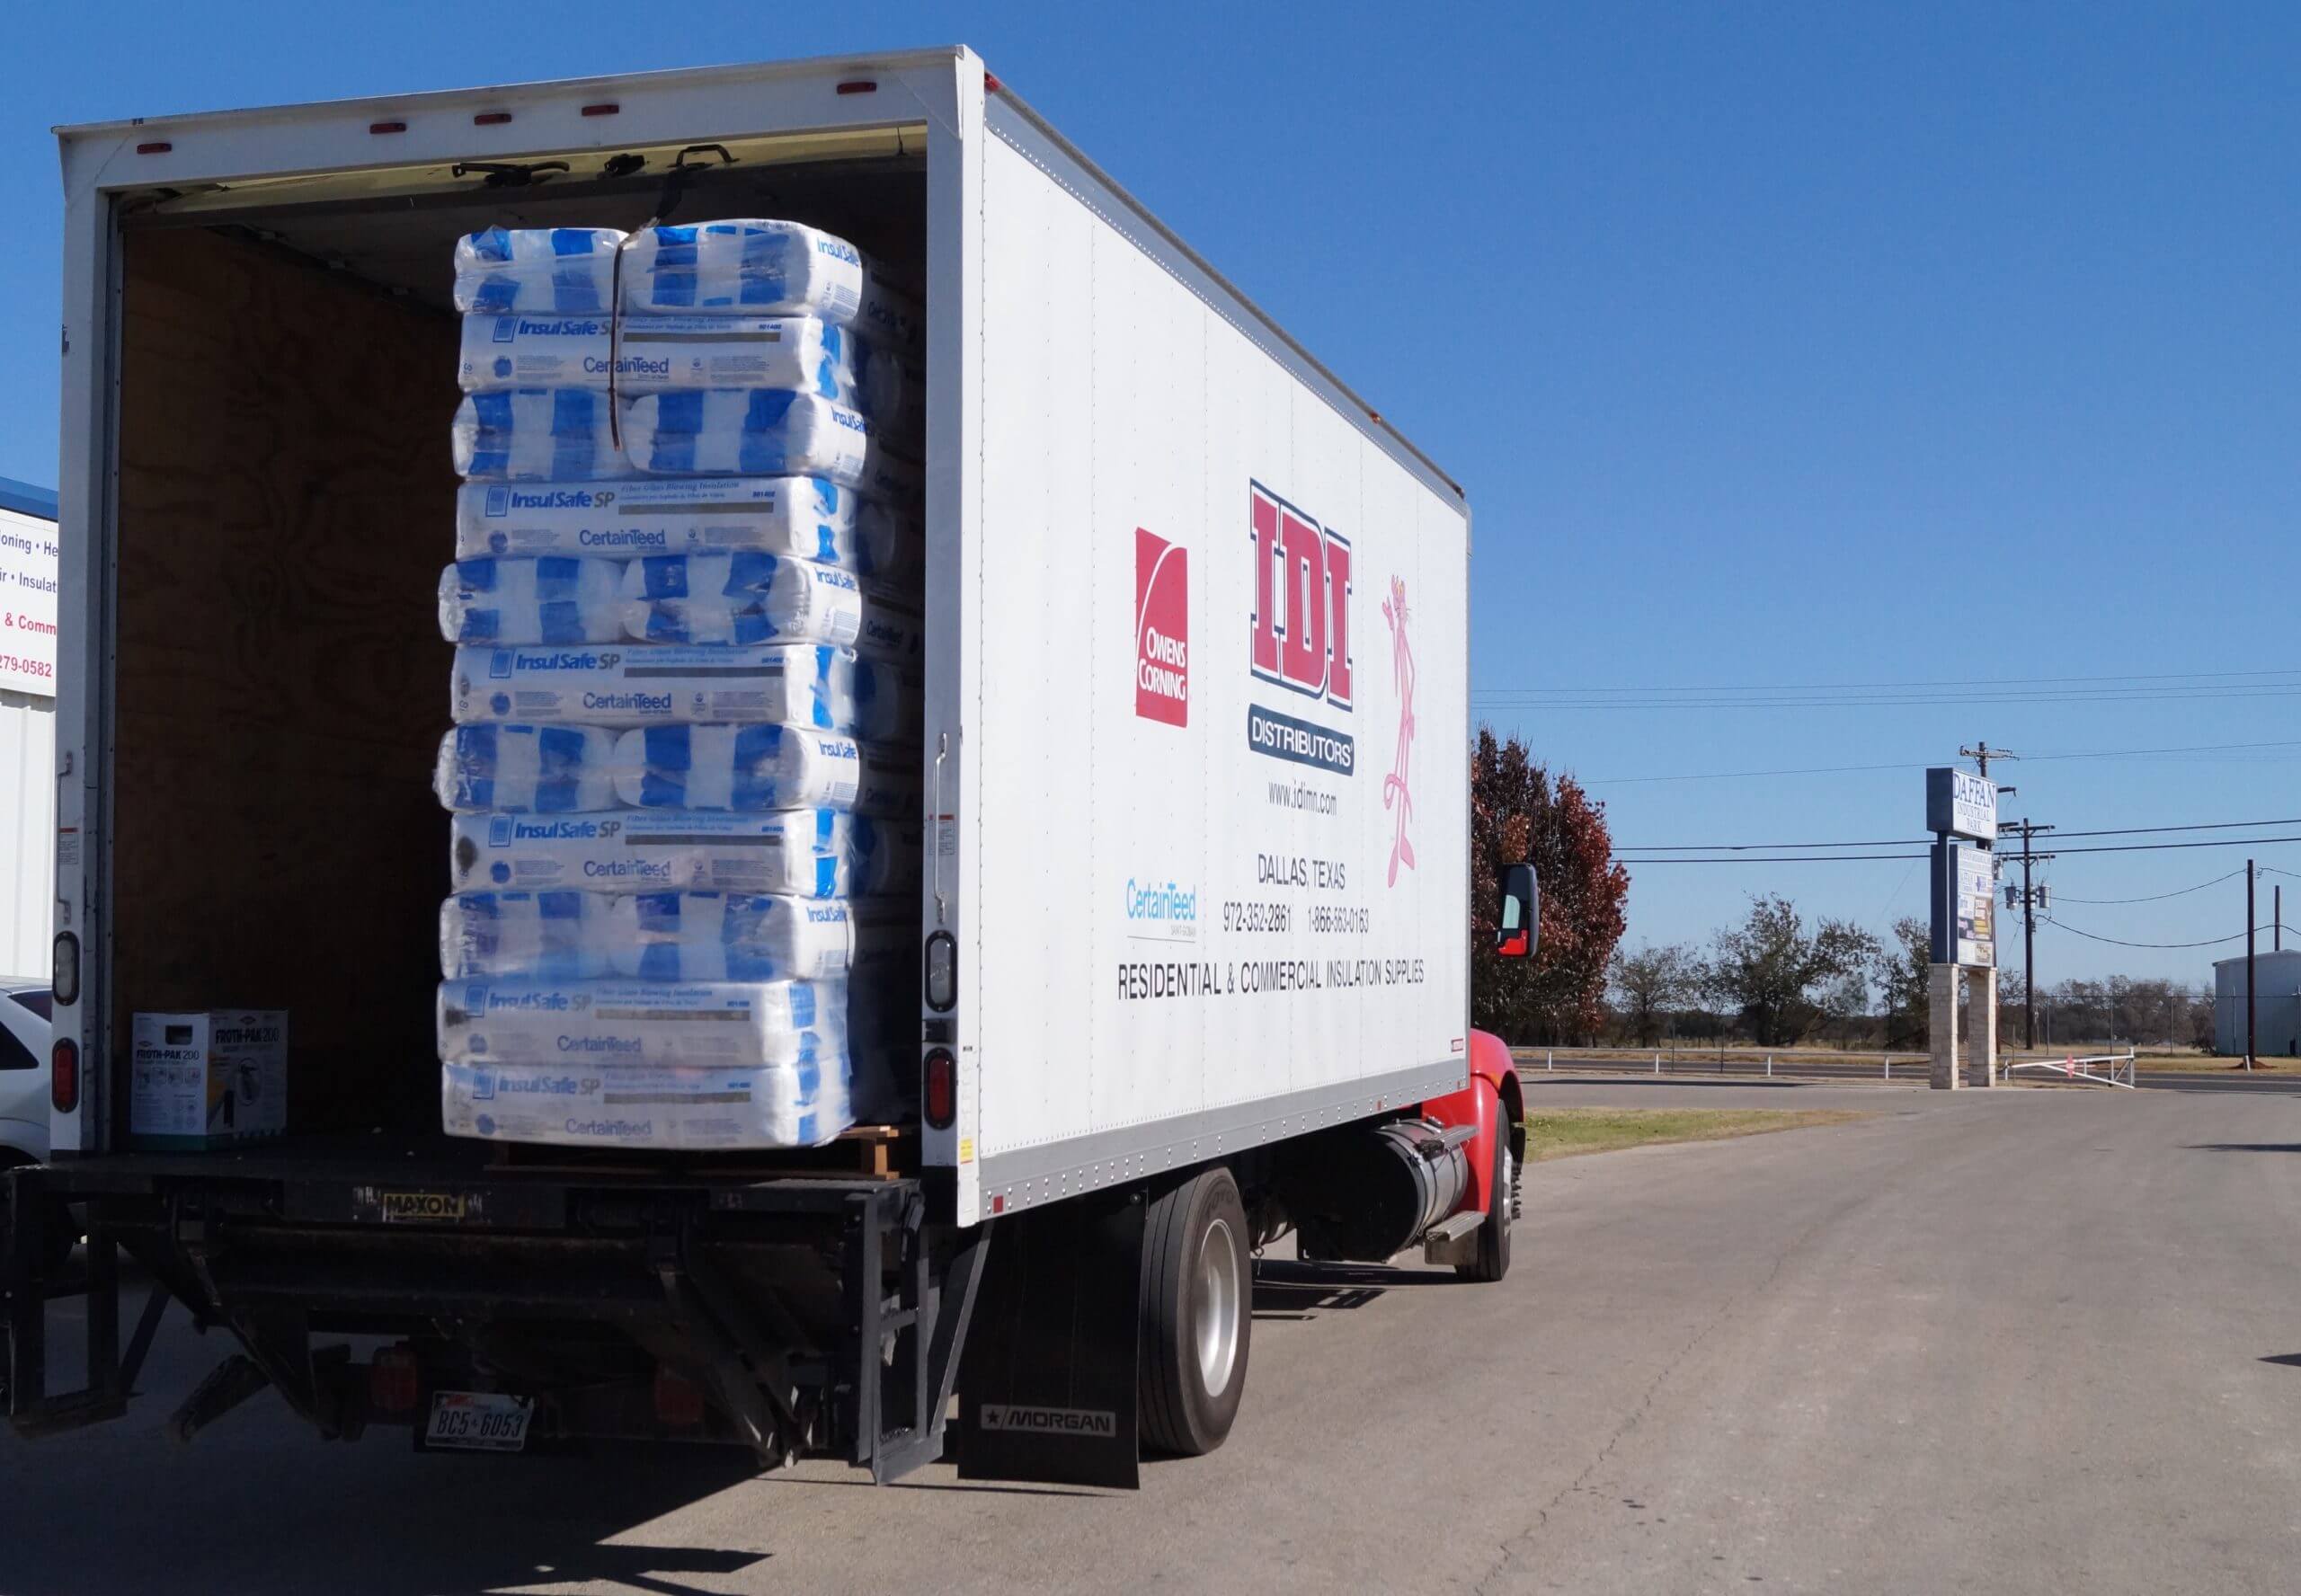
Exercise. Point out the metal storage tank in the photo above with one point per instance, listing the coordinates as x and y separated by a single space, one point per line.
2277 1013
28 561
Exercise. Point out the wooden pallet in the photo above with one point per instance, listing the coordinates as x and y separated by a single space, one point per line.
872 1152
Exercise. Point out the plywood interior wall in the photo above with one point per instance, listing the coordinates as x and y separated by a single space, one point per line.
285 505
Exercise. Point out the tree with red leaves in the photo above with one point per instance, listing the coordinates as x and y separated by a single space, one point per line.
1521 814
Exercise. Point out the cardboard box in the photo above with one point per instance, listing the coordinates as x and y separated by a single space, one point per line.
204 1080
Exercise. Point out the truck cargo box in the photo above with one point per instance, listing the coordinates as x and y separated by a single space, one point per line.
1195 618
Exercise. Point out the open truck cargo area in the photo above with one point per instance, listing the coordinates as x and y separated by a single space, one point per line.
1191 923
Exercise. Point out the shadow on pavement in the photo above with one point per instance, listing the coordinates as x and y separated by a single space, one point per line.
2290 1359
1287 1289
2242 1146
299 1515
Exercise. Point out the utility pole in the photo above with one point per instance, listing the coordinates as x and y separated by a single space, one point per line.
2030 903
1981 754
2277 916
2249 963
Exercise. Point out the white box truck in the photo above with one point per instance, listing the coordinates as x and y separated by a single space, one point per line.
1193 928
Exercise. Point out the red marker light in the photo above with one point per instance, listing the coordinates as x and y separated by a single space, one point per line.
64 1075
606 109
157 148
990 82
678 1401
941 1093
490 119
392 1382
859 85
387 127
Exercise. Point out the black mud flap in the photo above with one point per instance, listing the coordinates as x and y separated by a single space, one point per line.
1048 1386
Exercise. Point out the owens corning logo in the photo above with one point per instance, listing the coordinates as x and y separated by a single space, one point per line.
1161 629
1013 1418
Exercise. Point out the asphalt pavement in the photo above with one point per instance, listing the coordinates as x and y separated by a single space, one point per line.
2010 1341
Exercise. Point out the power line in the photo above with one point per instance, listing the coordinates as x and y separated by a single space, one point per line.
2120 942
2205 747
2147 847
2203 825
2159 897
2123 847
1743 848
1968 681
1779 859
1720 848
2209 942
1524 699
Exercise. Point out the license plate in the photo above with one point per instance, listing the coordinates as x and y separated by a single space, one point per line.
478 1420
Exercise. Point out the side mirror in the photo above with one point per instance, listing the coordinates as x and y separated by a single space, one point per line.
1519 918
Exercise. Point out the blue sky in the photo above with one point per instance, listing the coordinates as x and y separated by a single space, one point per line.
1776 345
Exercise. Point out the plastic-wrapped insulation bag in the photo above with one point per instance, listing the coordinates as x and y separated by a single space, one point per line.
562 270
554 600
739 599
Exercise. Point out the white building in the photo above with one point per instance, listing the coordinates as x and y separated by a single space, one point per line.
28 565
2277 1011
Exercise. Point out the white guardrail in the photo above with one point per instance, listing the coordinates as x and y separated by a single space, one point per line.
1742 1061
2105 1070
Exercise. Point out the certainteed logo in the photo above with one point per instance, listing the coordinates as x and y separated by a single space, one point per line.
1013 1418
1161 630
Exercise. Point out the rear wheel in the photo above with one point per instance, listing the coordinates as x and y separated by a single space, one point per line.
1197 1311
1493 1259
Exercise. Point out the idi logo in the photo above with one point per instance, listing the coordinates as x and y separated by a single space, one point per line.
1161 629
1301 627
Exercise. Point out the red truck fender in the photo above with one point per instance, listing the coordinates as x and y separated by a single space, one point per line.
1496 1104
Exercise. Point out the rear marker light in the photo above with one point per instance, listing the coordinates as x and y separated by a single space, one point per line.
64 1075
609 109
392 1382
941 976
159 147
387 127
490 119
990 82
678 1401
940 1097
64 980
860 85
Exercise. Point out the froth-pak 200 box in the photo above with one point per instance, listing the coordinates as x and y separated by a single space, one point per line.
204 1080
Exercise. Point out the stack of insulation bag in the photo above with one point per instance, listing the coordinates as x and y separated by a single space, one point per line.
684 768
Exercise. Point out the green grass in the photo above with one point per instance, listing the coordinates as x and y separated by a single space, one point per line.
1565 1132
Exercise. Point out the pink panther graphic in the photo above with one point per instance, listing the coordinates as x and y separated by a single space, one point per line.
1396 794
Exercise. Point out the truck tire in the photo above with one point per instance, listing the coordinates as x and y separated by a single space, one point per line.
1493 1259
1197 1309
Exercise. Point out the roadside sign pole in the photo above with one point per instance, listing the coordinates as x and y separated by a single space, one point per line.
2249 963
